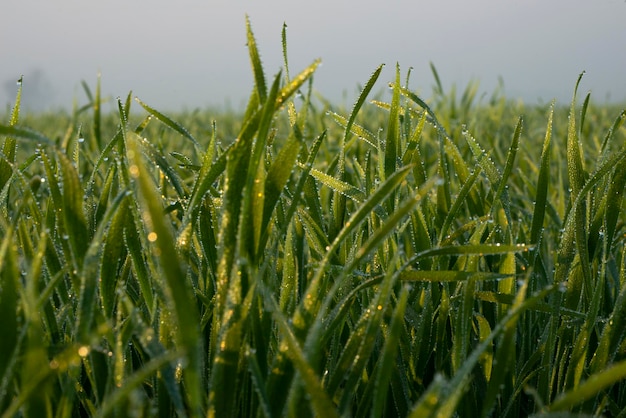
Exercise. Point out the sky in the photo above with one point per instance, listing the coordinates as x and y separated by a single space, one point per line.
177 55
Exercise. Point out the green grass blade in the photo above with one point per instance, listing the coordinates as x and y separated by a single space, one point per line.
392 143
287 91
302 181
134 381
72 211
339 186
457 384
9 298
257 67
114 254
359 216
359 103
186 313
25 133
90 273
595 384
438 85
612 334
97 113
575 169
15 113
449 276
170 123
278 174
458 202
473 249
10 144
543 180
388 356
508 168
320 402
356 129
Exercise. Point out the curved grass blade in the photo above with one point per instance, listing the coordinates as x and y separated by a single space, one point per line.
339 200
358 130
287 91
209 173
359 103
458 203
160 160
171 124
619 121
473 249
595 384
449 276
337 185
430 114
25 133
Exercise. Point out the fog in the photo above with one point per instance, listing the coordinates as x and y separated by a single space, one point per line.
188 54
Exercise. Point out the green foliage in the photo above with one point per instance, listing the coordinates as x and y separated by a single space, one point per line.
441 257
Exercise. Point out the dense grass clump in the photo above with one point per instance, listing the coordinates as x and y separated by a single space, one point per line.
405 258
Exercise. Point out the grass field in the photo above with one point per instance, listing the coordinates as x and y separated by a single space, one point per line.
456 256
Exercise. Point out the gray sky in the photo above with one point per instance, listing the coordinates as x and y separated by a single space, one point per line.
187 54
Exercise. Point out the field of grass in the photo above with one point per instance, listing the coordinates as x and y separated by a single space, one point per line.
456 256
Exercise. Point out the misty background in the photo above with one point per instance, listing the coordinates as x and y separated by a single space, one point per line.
189 54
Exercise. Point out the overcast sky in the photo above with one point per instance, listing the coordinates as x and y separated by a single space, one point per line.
187 54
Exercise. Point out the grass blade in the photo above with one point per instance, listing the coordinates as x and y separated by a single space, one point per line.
186 313
257 67
170 123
